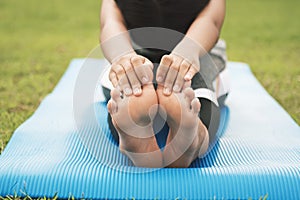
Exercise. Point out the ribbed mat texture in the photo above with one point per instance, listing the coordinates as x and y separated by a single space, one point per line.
258 151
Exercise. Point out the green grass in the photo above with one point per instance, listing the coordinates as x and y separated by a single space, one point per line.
266 34
38 39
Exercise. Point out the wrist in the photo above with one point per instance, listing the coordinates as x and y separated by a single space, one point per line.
189 50
117 47
125 55
187 45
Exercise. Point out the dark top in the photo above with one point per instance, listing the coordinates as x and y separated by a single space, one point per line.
173 14
176 15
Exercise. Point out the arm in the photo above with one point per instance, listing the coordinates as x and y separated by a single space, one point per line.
199 39
113 32
206 28
128 70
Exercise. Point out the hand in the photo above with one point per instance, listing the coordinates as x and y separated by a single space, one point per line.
130 72
176 72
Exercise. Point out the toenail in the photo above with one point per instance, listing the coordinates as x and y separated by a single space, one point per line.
188 76
159 79
127 91
167 90
176 88
145 79
137 91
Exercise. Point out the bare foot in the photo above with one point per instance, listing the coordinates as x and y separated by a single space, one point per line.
132 117
188 137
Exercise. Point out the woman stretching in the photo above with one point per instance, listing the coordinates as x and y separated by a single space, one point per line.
148 83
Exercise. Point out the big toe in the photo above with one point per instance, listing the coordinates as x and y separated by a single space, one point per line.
192 101
112 106
195 106
189 95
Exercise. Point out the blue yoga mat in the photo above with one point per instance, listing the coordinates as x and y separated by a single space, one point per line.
258 151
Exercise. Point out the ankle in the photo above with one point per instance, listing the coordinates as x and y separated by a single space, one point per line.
204 143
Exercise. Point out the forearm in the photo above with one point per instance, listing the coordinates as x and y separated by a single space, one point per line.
111 28
205 30
115 42
114 38
204 33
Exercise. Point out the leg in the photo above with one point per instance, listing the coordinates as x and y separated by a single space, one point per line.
132 117
210 116
188 136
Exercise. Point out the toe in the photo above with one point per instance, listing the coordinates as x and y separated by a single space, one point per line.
115 95
189 95
195 104
186 84
112 106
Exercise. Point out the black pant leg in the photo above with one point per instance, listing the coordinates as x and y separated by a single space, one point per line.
112 128
210 116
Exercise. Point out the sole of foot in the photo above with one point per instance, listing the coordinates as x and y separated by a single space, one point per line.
132 117
187 132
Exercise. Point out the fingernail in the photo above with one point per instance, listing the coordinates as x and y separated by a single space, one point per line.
167 90
137 91
145 79
128 91
159 79
176 88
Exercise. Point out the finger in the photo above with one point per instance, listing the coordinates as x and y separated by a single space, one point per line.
144 73
113 78
163 68
132 78
148 62
124 85
116 72
123 82
184 67
171 76
192 71
143 70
